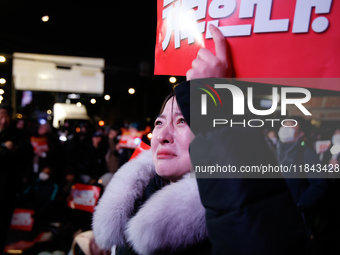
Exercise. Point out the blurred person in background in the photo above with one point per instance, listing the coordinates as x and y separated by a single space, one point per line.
125 152
332 155
112 155
11 150
309 189
271 139
46 148
91 160
26 155
40 196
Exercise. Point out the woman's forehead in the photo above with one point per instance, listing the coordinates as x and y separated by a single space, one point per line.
171 108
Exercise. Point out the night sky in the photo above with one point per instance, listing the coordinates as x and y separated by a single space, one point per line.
121 32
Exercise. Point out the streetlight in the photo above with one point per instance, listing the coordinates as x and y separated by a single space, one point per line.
45 18
172 79
131 91
2 59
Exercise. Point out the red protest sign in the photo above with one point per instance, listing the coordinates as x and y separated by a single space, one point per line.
141 147
84 197
39 144
130 138
267 38
322 146
22 219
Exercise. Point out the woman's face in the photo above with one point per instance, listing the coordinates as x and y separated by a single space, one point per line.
170 143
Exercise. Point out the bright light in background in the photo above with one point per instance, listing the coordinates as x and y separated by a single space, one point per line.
101 123
107 97
189 27
14 251
78 104
73 96
1 98
137 140
49 111
42 121
18 116
2 91
131 91
2 81
2 59
78 129
45 18
63 138
67 101
172 79
44 76
149 136
93 101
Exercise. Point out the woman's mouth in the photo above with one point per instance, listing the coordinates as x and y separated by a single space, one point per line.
165 154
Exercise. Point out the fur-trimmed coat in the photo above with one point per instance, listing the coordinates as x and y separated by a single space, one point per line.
172 220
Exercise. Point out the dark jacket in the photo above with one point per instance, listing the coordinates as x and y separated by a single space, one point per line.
306 190
243 215
11 162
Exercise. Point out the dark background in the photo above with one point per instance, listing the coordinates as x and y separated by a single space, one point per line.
121 32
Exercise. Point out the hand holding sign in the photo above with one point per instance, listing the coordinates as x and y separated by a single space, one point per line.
208 65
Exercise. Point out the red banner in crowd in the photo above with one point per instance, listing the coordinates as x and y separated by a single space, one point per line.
84 197
267 38
22 219
39 144
141 147
130 139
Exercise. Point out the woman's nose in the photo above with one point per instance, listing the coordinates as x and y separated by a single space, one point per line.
166 134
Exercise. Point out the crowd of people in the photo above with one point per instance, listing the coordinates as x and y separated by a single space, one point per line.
315 192
40 164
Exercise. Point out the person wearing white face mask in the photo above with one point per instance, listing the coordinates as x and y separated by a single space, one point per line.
307 188
40 196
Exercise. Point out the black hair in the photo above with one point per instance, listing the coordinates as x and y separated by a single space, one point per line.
168 97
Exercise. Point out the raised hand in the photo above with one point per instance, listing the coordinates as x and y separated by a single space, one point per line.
208 65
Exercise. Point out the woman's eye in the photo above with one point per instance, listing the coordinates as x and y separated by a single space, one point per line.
158 122
181 121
